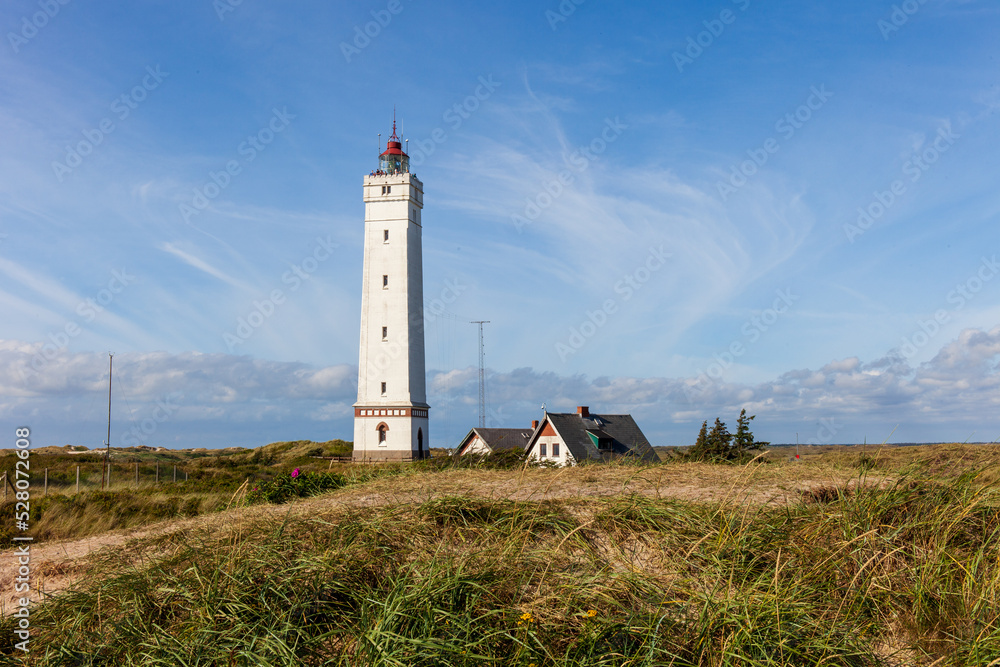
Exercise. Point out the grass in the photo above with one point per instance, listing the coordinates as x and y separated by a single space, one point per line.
903 571
207 482
889 557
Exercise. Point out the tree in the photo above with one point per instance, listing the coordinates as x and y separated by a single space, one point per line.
718 444
719 441
700 450
743 442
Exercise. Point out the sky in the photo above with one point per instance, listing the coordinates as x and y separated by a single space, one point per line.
675 210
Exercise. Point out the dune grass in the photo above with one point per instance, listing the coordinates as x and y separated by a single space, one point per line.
906 572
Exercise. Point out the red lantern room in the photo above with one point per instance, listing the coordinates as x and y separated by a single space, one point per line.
394 160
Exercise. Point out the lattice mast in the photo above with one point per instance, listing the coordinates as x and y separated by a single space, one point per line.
482 374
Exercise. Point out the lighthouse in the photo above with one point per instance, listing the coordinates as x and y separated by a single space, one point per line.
391 415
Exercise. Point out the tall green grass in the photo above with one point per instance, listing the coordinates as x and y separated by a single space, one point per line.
906 574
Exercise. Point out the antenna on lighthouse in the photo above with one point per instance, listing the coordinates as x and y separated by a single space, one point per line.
482 374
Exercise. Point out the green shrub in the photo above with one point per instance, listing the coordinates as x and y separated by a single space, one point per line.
294 485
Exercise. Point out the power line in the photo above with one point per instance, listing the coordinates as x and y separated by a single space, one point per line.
482 374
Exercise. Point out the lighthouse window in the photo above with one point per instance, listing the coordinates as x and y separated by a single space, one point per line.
385 236
388 189
385 333
382 429
385 282
383 388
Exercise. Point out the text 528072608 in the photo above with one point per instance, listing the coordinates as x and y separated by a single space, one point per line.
22 508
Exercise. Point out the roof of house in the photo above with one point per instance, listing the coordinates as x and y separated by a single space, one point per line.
498 439
627 438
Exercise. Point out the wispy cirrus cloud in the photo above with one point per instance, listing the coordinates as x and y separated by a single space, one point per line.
202 265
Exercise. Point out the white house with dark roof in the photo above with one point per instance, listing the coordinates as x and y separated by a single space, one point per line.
569 438
491 440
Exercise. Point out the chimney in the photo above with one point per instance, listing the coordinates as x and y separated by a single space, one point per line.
583 411
534 424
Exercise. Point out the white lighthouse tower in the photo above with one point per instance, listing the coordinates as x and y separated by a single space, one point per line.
390 417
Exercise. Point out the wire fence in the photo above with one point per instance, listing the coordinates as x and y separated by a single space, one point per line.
97 476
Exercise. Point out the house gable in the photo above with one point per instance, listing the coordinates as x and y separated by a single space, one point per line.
549 433
583 437
491 440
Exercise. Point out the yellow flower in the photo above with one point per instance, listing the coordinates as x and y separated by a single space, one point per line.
591 613
526 618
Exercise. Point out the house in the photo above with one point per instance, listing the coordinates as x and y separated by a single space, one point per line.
568 438
490 440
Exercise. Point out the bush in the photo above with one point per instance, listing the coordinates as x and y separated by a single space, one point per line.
295 485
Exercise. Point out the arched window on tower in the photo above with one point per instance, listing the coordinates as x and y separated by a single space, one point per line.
383 430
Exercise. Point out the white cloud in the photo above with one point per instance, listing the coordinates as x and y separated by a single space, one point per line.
217 395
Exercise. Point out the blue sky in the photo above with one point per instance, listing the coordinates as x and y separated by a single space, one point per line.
671 209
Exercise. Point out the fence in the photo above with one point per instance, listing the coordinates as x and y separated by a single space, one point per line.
97 476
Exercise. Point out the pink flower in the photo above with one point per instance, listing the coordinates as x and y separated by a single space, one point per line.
295 473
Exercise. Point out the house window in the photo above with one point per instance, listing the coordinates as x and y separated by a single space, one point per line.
385 236
555 450
385 282
541 450
385 333
601 441
383 388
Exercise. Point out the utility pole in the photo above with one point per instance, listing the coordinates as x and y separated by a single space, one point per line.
107 455
482 374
